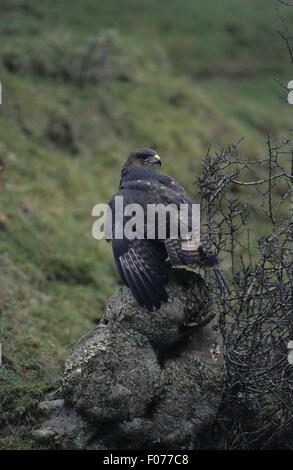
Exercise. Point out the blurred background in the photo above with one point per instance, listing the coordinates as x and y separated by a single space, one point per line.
84 83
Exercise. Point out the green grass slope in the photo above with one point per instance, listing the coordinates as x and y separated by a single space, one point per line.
83 83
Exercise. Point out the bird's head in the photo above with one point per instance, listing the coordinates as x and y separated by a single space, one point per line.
143 157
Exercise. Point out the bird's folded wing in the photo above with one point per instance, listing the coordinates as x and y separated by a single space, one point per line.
141 265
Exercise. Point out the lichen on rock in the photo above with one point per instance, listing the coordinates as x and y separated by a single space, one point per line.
141 379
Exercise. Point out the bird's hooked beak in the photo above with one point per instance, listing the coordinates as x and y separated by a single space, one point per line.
154 160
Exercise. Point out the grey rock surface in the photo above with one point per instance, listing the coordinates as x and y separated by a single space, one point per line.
140 379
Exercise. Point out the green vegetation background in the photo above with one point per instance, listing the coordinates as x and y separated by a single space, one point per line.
85 82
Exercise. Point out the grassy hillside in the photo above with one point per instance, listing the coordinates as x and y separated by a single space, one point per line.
83 84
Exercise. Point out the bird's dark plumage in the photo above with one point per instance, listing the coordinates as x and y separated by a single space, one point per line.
143 263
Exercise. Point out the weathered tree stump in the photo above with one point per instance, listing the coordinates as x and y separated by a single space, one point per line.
140 379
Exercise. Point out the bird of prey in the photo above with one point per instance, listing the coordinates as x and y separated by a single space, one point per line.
143 263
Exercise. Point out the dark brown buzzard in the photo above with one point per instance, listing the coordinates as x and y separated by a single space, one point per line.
143 263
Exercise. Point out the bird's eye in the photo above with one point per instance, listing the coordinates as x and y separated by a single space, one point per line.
145 157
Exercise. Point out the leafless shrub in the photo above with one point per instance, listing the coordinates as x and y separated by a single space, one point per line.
256 320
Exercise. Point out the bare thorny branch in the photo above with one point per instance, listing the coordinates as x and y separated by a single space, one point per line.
256 321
